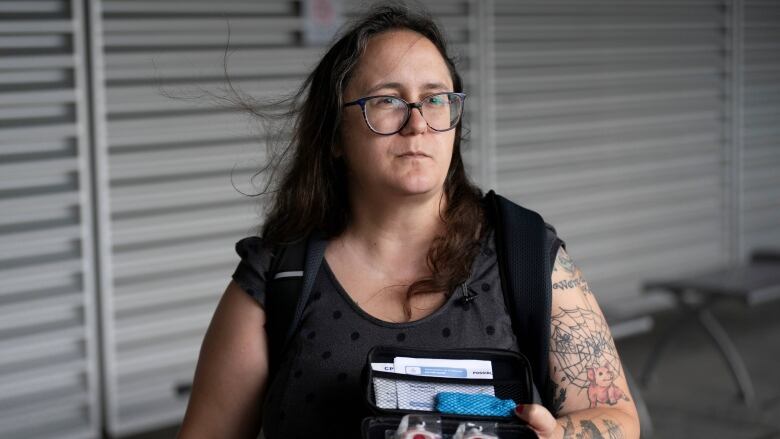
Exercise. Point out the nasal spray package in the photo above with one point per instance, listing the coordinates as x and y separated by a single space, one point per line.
446 394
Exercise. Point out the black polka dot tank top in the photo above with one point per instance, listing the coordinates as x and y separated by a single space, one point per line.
318 392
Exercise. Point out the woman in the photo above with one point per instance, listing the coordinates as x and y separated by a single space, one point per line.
377 169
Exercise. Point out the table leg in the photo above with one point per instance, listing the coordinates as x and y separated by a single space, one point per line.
659 347
645 421
730 354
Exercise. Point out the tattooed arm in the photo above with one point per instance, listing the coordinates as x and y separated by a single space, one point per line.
592 399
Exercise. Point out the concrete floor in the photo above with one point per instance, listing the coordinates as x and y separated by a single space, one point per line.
692 395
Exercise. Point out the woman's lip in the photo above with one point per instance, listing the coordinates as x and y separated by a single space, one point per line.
414 154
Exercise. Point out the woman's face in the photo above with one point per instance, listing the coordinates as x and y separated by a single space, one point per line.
415 160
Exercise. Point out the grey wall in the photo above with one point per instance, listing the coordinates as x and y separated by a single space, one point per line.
645 131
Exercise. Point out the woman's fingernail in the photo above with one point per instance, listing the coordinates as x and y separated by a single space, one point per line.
519 409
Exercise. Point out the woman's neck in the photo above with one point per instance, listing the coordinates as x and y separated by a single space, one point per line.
395 231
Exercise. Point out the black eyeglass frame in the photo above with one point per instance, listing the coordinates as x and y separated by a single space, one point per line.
409 107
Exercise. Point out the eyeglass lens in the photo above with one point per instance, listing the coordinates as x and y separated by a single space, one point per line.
386 114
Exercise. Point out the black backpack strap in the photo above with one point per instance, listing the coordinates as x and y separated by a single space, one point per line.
524 260
292 274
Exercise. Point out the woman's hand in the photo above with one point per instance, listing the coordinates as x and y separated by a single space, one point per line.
540 420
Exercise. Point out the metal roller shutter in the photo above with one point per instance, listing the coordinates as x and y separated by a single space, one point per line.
634 127
48 343
760 201
609 121
169 213
169 216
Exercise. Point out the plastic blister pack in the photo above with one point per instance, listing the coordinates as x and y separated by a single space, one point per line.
476 430
419 427
414 426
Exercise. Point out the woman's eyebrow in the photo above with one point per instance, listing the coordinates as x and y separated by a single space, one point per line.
391 85
435 86
397 86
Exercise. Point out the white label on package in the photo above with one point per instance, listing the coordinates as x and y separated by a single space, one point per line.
437 367
414 395
384 388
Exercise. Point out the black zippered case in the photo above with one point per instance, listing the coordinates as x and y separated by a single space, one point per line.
512 379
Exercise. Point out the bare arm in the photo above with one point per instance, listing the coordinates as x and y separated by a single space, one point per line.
591 393
232 371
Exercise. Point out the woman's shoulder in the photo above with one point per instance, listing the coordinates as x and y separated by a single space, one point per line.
554 243
255 260
250 244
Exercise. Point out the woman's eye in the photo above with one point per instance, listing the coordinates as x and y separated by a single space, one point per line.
387 102
438 100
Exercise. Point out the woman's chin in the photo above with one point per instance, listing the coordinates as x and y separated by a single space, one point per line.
408 184
420 186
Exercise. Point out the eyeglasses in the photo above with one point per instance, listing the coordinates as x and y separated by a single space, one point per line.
388 115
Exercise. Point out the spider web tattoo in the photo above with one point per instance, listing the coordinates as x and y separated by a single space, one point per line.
580 340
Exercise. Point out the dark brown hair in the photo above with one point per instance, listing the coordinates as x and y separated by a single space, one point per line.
312 192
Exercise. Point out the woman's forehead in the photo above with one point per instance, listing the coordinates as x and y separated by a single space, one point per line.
401 59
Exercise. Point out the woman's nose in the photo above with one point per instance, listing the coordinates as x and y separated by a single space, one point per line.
416 123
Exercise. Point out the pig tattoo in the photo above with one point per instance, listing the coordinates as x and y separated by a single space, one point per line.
602 389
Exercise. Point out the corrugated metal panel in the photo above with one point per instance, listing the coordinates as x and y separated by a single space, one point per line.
170 213
48 344
761 126
169 216
609 121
